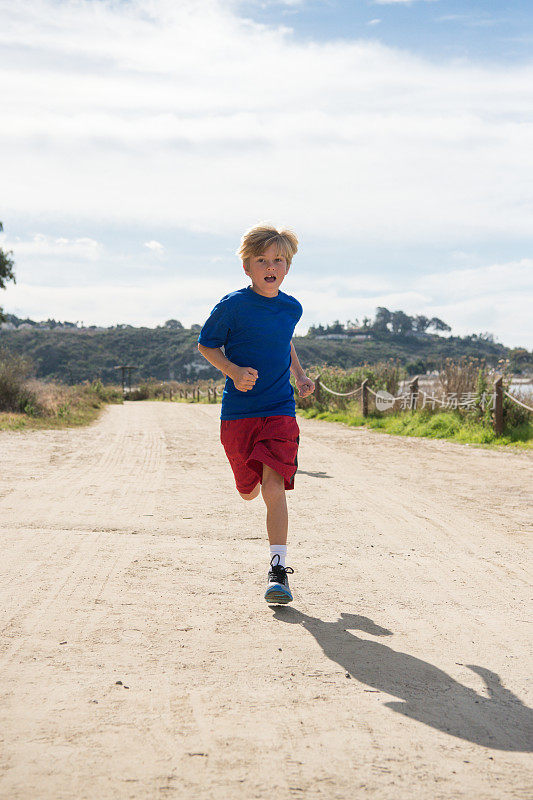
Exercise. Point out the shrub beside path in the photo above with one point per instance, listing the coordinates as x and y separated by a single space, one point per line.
138 658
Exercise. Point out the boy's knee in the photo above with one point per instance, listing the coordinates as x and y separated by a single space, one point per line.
273 486
251 495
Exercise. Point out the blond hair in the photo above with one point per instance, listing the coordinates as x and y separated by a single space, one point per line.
257 239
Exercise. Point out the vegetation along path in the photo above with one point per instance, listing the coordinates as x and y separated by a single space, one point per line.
138 658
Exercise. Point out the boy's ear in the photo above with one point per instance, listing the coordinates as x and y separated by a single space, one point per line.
245 268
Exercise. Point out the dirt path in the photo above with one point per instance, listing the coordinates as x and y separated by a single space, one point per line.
401 670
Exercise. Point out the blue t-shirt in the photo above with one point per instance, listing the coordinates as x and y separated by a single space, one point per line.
255 331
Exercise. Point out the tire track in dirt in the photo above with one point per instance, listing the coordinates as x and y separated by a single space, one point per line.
80 584
110 471
17 578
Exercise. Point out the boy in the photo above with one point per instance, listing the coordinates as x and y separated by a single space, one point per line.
258 426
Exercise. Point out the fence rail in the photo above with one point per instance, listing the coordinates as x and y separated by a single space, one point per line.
196 393
409 399
519 402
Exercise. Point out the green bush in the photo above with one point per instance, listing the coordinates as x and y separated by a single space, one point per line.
108 394
142 393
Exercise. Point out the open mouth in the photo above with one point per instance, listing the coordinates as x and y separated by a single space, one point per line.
270 278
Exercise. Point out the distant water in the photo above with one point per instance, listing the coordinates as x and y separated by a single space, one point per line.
521 387
514 387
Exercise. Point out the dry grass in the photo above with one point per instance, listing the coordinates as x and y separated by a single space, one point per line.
460 376
56 405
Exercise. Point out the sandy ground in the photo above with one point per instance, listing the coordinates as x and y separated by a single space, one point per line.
400 670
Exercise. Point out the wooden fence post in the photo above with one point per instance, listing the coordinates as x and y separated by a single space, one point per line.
170 393
318 389
413 393
364 398
498 406
214 394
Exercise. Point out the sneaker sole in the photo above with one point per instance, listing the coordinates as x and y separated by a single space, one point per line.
276 595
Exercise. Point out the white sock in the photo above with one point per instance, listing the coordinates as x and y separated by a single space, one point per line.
281 551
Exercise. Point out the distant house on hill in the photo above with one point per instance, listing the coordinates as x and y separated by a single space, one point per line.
355 337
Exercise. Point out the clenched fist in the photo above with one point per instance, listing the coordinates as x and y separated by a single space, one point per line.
244 378
305 386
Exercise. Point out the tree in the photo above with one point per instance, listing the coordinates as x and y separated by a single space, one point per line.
520 357
173 325
6 270
438 324
401 322
352 325
316 330
335 327
382 319
421 323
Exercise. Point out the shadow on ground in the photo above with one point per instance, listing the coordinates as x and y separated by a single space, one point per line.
428 694
313 474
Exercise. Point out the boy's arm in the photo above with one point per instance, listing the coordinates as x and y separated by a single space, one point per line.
304 384
244 378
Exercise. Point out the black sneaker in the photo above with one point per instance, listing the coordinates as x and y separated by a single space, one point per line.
278 584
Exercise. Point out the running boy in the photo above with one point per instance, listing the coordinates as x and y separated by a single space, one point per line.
258 426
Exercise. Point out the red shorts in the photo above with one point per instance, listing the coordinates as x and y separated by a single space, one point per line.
251 442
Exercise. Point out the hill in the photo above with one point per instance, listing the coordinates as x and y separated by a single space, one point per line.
65 352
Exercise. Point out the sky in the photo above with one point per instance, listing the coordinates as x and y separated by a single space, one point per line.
140 138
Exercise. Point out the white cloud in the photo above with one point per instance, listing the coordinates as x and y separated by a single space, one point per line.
491 280
452 17
161 112
168 116
108 303
494 298
405 2
474 20
41 246
373 21
156 247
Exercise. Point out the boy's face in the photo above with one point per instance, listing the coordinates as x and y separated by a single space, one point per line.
267 271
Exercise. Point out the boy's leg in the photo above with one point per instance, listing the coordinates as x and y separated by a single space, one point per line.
273 491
